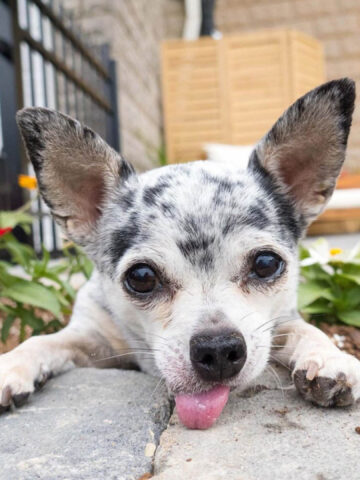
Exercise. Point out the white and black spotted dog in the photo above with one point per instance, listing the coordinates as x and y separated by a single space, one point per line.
196 264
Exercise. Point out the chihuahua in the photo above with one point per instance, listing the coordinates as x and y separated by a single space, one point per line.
196 264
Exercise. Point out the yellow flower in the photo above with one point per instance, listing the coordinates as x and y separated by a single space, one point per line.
25 181
335 251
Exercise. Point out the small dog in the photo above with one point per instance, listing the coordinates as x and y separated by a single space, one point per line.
196 264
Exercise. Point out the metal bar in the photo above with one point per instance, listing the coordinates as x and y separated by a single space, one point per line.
17 58
115 127
56 105
48 12
35 45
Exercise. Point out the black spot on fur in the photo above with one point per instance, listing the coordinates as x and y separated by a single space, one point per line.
286 213
228 226
33 137
125 170
256 217
190 224
88 133
127 200
197 249
342 94
125 238
300 106
152 194
225 186
168 209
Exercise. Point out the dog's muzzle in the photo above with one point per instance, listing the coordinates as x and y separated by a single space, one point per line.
218 356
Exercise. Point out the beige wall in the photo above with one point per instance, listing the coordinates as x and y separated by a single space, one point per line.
134 29
336 23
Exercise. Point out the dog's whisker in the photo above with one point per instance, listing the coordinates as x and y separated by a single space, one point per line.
124 355
277 324
246 316
280 362
277 380
283 335
144 342
273 346
162 379
273 319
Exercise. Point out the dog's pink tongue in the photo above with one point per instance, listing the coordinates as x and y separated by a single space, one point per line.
202 409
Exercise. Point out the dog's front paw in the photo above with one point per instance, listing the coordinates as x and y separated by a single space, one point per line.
20 375
328 379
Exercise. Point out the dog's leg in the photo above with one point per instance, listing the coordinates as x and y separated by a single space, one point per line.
322 373
89 339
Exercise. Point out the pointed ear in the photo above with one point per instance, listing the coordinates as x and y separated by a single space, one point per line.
75 168
305 149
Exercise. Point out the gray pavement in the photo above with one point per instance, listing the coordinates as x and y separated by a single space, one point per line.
266 434
105 425
86 424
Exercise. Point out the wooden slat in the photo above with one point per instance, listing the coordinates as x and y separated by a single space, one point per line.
232 90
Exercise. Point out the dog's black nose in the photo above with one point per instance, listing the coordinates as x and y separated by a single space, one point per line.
217 356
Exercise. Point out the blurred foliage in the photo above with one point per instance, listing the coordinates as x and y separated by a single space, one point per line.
156 153
39 293
329 289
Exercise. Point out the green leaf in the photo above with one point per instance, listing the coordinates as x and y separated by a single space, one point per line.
303 252
20 253
352 297
13 218
354 277
315 272
5 330
310 291
30 319
87 267
320 306
352 317
53 325
32 293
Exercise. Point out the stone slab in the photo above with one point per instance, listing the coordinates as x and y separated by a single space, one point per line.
265 434
86 424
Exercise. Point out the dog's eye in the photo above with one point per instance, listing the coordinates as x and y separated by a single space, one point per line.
141 279
267 264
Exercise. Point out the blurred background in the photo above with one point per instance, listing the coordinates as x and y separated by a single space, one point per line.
167 81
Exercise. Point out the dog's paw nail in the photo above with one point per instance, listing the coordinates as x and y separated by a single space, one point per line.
3 409
6 396
41 381
312 371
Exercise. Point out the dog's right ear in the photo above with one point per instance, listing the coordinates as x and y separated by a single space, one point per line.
75 168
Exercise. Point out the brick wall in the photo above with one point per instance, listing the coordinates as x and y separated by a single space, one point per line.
134 29
336 23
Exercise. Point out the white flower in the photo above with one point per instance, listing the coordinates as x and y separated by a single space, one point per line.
322 254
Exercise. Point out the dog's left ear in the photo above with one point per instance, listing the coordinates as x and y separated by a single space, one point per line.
305 149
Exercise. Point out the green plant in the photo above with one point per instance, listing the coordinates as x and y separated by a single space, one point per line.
329 289
35 290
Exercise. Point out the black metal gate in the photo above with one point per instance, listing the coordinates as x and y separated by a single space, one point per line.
44 61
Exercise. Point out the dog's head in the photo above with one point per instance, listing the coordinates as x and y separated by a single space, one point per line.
199 260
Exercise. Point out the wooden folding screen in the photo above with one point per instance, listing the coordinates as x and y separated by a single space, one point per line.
233 89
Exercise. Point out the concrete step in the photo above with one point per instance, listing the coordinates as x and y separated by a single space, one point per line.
86 424
265 434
